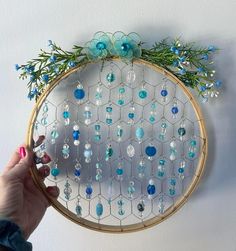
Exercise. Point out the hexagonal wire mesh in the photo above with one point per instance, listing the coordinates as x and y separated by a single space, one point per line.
128 153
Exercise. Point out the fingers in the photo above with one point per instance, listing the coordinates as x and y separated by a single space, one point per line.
44 171
23 166
13 161
39 141
53 191
44 160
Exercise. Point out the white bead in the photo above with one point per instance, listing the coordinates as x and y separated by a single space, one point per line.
151 182
87 146
76 127
130 151
173 144
172 157
76 142
86 108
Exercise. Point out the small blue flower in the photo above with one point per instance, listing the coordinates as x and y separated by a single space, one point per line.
205 57
174 50
29 69
211 48
99 47
45 78
126 46
200 69
32 93
50 43
218 84
17 67
56 69
32 78
71 64
175 63
182 71
203 88
53 59
182 59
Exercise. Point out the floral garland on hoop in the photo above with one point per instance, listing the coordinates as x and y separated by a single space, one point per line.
190 64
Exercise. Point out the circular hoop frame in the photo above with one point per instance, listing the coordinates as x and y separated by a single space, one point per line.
144 224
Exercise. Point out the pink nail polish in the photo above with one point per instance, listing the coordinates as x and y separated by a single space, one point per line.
22 152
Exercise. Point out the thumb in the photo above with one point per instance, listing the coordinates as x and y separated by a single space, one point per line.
24 165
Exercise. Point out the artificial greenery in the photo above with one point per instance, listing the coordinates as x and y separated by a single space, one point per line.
191 64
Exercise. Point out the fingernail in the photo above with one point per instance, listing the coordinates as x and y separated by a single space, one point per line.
22 152
54 191
46 171
46 158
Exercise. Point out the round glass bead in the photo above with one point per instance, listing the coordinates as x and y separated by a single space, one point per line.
79 93
119 171
142 94
101 46
89 190
55 172
181 131
76 135
121 90
164 93
152 119
109 109
151 151
66 114
174 110
181 170
193 142
120 102
191 154
131 115
110 77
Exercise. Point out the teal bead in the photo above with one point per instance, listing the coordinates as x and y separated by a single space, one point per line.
193 142
99 209
163 125
120 102
98 177
55 172
121 90
181 131
109 121
78 210
119 171
139 133
97 127
191 154
172 192
101 46
152 119
160 174
97 137
109 109
54 134
142 94
119 132
162 162
111 77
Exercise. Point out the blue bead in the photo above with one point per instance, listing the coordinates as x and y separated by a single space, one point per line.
181 170
101 46
131 115
79 93
66 114
119 171
99 209
181 131
172 182
125 47
191 154
55 172
89 190
151 189
76 135
175 110
109 121
97 127
77 172
164 93
151 150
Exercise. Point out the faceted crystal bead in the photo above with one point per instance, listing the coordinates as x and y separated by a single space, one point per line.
130 151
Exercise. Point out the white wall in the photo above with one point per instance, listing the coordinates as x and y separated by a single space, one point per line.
208 221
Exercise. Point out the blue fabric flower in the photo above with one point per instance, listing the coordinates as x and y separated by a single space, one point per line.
45 78
126 46
17 67
99 47
71 64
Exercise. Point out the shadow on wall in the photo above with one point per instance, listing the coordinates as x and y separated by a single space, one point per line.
220 170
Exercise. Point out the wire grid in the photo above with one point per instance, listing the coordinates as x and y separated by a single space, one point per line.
112 190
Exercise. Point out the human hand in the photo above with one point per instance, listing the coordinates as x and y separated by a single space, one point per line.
20 199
